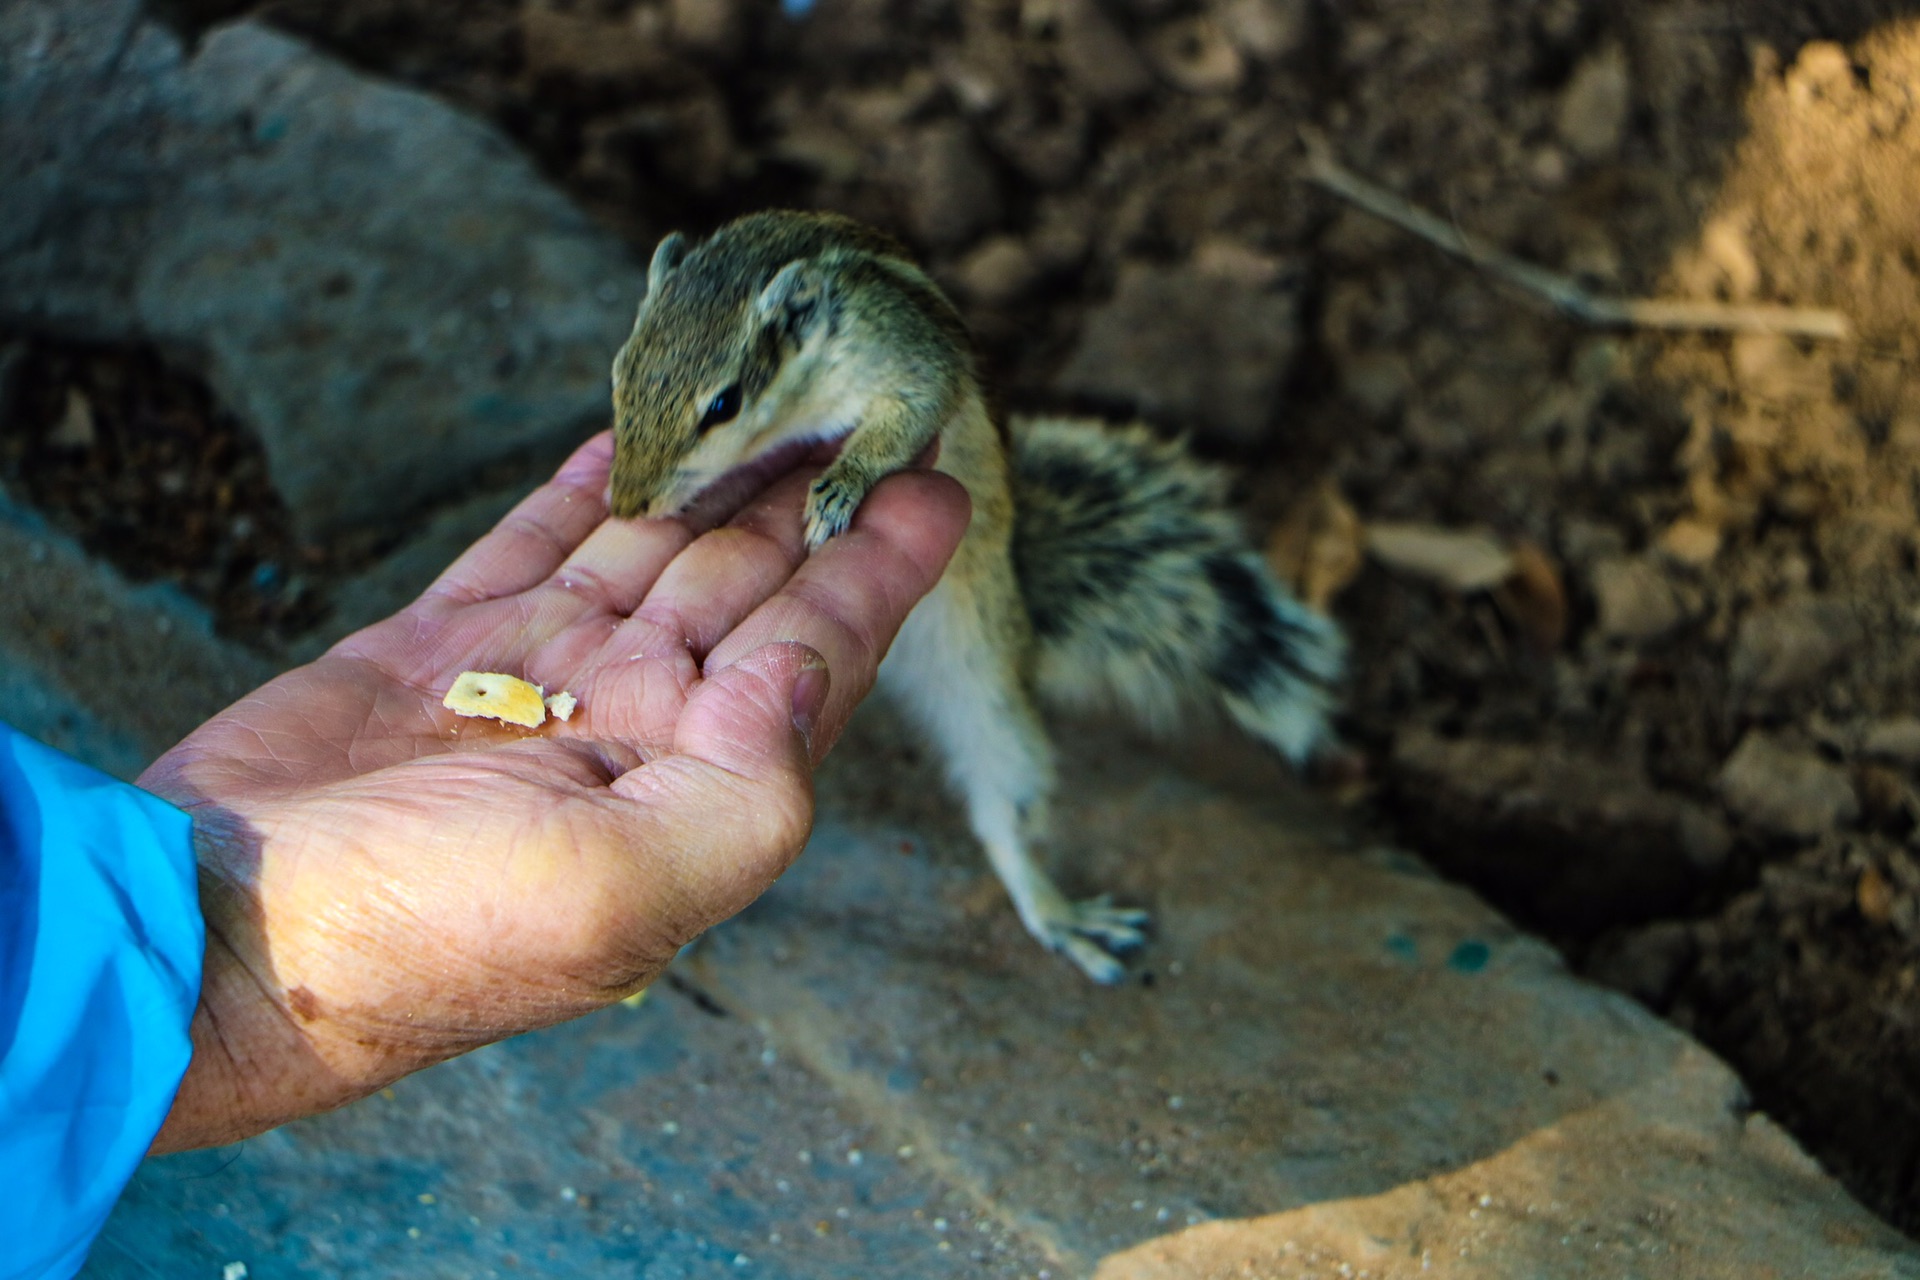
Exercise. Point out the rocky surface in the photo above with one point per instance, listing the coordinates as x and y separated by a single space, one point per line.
1570 837
1328 1063
104 670
1207 343
1786 793
378 284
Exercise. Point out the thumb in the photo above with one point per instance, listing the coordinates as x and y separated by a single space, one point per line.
745 715
731 807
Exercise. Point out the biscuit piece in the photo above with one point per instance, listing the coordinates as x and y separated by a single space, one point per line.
498 697
562 704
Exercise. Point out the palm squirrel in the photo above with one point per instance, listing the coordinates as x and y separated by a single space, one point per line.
1101 562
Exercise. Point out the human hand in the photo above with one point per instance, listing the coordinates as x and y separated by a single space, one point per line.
387 885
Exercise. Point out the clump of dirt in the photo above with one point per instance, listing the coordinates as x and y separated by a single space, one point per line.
1684 751
134 458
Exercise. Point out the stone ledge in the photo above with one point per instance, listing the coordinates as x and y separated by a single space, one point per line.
1341 1066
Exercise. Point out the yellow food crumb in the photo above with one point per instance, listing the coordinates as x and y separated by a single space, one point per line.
498 697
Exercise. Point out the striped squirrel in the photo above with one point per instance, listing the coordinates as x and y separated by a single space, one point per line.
1101 563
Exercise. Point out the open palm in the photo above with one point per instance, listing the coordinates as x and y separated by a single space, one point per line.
387 884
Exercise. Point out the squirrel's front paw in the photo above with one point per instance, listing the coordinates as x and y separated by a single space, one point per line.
830 507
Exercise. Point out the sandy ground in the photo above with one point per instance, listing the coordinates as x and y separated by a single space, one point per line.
1669 729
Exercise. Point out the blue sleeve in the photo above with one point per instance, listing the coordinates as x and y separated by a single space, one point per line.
101 942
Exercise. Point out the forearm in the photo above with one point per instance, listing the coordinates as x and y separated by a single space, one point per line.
251 1068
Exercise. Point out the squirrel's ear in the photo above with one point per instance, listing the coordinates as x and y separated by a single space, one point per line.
665 259
795 299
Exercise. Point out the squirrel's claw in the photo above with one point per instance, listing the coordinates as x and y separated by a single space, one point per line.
830 508
1092 933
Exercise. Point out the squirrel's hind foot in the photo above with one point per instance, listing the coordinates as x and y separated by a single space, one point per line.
1092 933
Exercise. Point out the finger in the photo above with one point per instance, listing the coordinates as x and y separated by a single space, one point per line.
849 599
533 539
683 593
728 572
634 681
620 561
731 807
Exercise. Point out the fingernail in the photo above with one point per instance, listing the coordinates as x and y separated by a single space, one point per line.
810 694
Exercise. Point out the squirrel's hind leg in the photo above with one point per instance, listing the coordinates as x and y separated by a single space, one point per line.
954 669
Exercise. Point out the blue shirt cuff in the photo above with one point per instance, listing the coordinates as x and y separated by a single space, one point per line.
101 944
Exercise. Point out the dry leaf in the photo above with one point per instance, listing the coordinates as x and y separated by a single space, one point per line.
1318 549
1535 599
1461 560
1874 896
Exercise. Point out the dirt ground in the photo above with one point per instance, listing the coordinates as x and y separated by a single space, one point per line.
1673 727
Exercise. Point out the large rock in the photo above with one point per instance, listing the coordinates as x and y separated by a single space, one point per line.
1330 1064
383 287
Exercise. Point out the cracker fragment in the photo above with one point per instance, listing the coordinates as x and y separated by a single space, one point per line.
561 705
498 697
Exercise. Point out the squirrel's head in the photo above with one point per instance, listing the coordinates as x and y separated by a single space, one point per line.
718 369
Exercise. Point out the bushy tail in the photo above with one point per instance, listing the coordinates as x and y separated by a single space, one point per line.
1143 590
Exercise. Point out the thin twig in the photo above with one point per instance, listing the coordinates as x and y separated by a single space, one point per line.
1562 291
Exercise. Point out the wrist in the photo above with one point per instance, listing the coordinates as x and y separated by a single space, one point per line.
257 1063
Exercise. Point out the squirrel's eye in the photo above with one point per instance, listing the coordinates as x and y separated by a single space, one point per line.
724 407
